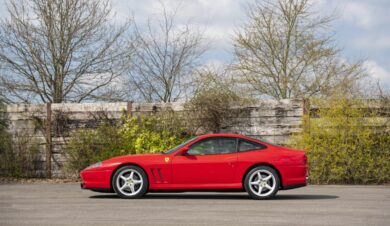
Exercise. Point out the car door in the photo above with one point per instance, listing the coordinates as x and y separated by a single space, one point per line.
208 161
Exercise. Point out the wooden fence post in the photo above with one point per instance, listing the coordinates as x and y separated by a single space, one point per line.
48 140
306 114
129 108
306 106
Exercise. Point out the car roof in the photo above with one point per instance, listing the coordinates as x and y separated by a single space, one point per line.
223 135
235 135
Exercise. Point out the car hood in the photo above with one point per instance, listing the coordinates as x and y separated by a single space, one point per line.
133 157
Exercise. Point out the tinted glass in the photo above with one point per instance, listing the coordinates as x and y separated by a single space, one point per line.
179 146
213 146
248 145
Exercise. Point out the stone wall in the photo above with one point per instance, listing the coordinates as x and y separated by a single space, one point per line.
51 125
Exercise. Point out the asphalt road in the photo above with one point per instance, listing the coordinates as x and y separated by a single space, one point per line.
66 204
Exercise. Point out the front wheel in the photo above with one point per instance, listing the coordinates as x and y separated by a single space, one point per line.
262 182
130 182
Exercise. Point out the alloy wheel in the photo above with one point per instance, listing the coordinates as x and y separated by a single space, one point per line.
262 183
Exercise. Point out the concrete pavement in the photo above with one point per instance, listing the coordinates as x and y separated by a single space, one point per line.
66 204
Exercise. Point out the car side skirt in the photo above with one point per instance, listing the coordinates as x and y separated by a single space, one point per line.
192 187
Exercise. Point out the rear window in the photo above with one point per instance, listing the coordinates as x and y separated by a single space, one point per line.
246 145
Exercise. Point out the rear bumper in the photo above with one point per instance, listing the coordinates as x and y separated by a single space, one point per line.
294 186
293 175
299 184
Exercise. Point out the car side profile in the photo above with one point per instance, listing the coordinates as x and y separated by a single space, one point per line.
215 162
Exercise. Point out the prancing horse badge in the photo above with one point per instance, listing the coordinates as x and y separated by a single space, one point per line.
166 159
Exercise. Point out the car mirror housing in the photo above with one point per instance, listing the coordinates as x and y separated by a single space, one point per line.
184 150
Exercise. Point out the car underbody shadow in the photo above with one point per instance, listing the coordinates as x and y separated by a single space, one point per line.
219 196
303 196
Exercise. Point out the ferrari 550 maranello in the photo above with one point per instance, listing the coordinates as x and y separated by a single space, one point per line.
215 162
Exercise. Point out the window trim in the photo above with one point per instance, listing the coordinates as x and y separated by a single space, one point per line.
249 141
214 138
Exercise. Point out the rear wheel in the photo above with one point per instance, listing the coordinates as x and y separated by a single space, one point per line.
262 182
130 182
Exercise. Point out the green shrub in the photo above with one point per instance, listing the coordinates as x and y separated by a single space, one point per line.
346 144
5 142
21 156
18 155
151 134
89 146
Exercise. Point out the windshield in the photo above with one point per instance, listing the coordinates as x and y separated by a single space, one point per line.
179 146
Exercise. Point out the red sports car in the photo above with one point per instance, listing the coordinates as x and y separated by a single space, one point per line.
204 163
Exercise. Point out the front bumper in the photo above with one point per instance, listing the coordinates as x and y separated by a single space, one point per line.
103 190
96 179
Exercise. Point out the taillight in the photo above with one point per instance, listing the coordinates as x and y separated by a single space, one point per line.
306 166
305 159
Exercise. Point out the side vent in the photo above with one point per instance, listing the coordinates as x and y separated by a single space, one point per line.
160 174
157 175
154 175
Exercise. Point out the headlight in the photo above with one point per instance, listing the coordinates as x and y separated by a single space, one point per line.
94 165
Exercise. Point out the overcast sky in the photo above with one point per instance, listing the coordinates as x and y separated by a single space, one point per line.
362 29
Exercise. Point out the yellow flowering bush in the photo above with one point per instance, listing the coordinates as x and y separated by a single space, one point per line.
151 134
136 135
345 144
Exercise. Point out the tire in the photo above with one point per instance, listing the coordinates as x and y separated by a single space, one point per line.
130 182
262 188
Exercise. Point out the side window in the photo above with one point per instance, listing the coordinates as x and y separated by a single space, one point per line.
246 145
213 146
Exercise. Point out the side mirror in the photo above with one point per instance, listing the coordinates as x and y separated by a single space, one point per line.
184 150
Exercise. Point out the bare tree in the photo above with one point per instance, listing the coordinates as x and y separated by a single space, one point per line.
215 101
59 50
165 56
285 51
212 77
